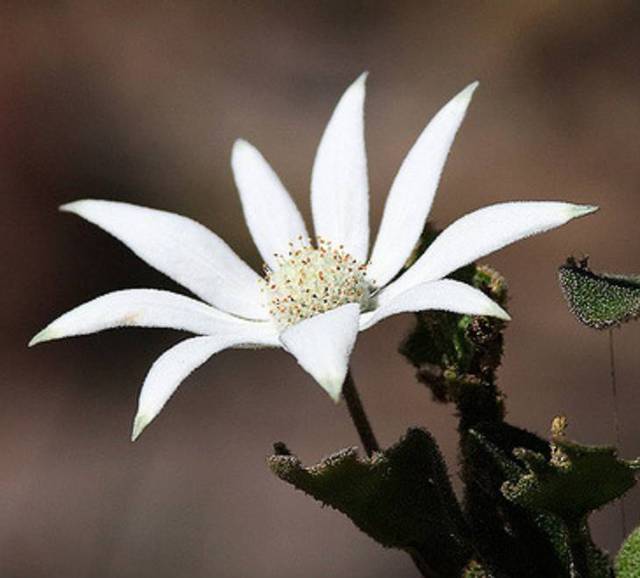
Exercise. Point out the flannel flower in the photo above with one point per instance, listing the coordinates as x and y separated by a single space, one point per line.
314 297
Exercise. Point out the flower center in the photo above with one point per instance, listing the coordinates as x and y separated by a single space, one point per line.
310 281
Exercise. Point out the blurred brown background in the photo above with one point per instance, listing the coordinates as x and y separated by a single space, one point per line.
141 102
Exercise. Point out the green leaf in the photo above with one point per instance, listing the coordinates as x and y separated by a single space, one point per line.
628 558
559 509
401 497
575 481
599 300
514 541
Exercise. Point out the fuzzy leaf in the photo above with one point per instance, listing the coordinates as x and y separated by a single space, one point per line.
401 497
599 300
628 558
513 540
570 538
576 480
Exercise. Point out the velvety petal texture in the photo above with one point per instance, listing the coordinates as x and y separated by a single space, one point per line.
445 295
233 312
139 308
480 233
339 182
322 345
413 190
183 250
175 365
271 215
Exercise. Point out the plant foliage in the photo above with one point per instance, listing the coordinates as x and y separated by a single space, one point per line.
526 501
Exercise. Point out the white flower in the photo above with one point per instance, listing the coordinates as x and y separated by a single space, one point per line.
314 298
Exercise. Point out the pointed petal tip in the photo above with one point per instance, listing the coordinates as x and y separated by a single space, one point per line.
494 310
323 344
471 88
333 387
140 422
79 204
359 84
242 151
44 335
582 210
332 383
500 313
238 145
237 149
67 207
464 96
71 207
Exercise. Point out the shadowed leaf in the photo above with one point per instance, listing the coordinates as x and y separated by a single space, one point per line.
559 506
575 481
401 497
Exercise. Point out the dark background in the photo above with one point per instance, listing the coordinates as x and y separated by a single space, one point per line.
141 102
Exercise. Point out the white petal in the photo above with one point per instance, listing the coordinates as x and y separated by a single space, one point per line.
139 308
272 217
322 345
413 190
173 366
183 250
339 183
480 233
445 295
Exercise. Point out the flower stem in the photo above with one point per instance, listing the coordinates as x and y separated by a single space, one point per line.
370 444
358 415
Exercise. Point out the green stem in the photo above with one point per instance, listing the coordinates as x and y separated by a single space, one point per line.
370 444
358 415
